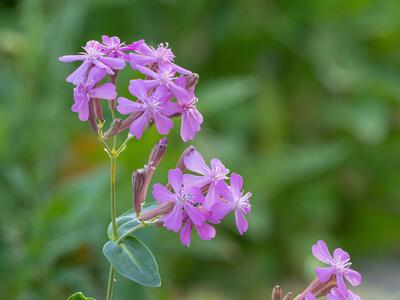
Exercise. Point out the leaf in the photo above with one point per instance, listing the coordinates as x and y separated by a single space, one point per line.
127 221
133 260
79 296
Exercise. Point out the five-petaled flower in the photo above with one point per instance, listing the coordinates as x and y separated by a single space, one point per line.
86 90
191 117
339 266
94 55
233 200
186 199
209 176
153 107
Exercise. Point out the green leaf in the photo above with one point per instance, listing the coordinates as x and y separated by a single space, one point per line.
79 296
133 260
127 221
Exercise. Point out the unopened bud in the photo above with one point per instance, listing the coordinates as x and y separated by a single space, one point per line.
185 153
277 293
157 153
288 296
114 127
191 80
97 109
127 122
139 188
92 118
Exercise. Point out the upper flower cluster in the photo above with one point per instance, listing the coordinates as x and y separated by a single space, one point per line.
338 270
164 81
198 201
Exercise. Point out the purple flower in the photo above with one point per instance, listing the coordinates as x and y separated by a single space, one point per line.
186 201
94 55
164 76
309 296
339 266
233 200
155 107
162 55
210 176
191 117
113 46
87 90
205 231
337 294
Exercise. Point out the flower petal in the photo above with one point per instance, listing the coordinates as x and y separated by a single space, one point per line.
126 106
206 231
106 91
163 123
79 74
114 63
194 214
138 89
220 210
353 277
139 125
173 220
162 194
175 178
324 274
195 162
321 252
194 180
341 255
236 185
185 234
71 58
241 222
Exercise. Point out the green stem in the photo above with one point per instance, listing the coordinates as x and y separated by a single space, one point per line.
111 276
110 286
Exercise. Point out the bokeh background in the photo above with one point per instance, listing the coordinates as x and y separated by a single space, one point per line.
300 97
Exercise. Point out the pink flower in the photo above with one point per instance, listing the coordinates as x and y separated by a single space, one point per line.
233 200
164 76
339 266
337 294
162 55
186 201
191 117
155 107
94 55
113 47
209 176
87 90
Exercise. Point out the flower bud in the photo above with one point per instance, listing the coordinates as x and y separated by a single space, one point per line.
181 161
191 80
141 178
277 293
139 189
288 296
157 153
97 109
92 118
115 125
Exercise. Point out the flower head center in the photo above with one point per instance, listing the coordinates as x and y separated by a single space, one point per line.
340 265
93 50
163 53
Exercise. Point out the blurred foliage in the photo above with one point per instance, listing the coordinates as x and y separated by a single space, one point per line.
301 97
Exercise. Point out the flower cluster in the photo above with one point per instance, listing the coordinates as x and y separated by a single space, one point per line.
164 81
202 199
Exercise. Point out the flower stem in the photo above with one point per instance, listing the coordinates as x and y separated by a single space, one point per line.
111 277
110 286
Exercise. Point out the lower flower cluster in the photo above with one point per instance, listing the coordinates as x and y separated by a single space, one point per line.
197 196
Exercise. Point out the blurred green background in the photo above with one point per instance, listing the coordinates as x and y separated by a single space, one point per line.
300 97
